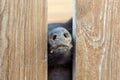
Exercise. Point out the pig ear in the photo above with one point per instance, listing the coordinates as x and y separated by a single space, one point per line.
68 25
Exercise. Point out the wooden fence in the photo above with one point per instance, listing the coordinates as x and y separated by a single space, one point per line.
23 45
23 39
98 40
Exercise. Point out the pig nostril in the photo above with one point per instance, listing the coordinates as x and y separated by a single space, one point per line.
65 35
54 37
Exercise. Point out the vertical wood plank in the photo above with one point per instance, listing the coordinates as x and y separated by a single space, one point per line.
23 40
98 40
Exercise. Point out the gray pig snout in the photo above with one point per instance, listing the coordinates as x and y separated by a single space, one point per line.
59 36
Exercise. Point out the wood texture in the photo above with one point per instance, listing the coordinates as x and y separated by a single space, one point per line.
23 40
98 40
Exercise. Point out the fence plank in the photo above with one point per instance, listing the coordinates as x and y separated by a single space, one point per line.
98 40
23 40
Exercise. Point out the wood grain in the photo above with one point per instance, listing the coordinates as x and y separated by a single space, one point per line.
23 40
98 40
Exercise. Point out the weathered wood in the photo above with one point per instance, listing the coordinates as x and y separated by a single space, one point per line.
98 40
23 40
